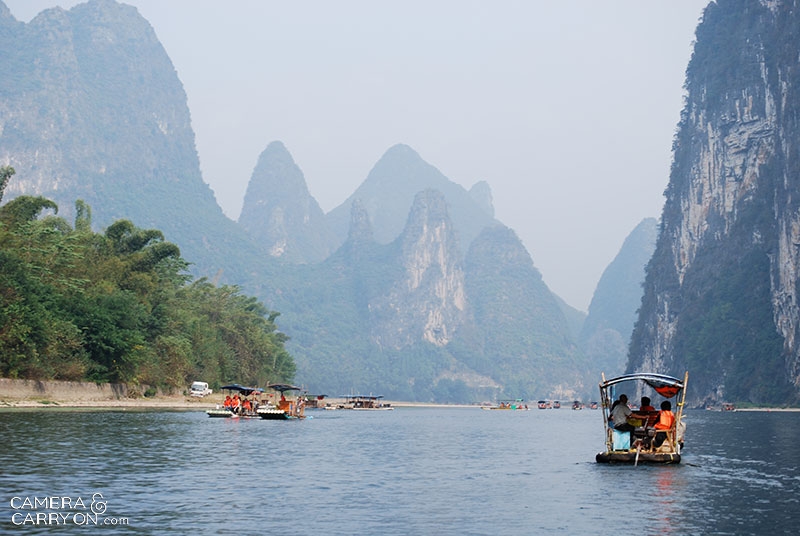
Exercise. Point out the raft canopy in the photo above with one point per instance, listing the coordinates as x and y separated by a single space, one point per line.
283 387
246 391
666 386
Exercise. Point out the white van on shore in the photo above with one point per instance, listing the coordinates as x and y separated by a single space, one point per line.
199 389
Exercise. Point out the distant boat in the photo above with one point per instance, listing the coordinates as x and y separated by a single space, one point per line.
315 401
644 443
365 403
577 405
543 404
556 404
287 408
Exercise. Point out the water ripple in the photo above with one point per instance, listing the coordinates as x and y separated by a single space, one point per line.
410 471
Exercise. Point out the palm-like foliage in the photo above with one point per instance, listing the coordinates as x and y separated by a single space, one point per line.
120 307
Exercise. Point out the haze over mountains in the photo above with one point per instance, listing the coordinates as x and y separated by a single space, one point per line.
413 288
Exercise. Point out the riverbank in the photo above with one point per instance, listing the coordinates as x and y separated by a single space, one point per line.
61 394
44 394
53 394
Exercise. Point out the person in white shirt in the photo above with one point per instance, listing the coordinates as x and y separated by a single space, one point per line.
620 413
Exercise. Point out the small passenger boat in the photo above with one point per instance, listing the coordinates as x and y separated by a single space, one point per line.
286 409
543 404
646 439
365 403
244 408
315 401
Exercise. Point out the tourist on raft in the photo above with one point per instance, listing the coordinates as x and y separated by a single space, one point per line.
620 413
665 421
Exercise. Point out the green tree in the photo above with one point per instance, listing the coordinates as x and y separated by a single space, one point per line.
120 307
5 174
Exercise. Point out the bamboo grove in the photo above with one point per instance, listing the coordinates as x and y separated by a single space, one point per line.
120 307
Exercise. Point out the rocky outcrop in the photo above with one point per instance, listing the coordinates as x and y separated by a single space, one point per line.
481 193
721 289
280 213
428 301
360 226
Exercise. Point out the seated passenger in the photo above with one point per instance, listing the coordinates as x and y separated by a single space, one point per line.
666 419
647 412
646 407
228 402
620 414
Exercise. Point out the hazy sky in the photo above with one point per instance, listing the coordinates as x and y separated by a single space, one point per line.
567 108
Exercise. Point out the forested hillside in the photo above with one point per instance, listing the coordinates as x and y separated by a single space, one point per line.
119 307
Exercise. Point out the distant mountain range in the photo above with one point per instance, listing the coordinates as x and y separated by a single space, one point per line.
411 288
605 334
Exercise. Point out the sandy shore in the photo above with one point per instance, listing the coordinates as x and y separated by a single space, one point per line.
53 394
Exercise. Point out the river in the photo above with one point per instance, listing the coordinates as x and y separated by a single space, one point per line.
412 471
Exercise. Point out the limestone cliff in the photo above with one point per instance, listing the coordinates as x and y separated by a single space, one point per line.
91 108
427 302
721 293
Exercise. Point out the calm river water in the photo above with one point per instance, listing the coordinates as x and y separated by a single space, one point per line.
412 471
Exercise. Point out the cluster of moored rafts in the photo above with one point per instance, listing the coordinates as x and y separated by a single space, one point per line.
250 403
253 403
515 404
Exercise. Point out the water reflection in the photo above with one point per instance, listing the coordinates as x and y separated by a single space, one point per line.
665 503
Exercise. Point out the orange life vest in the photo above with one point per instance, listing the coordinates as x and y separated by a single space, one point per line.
665 420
